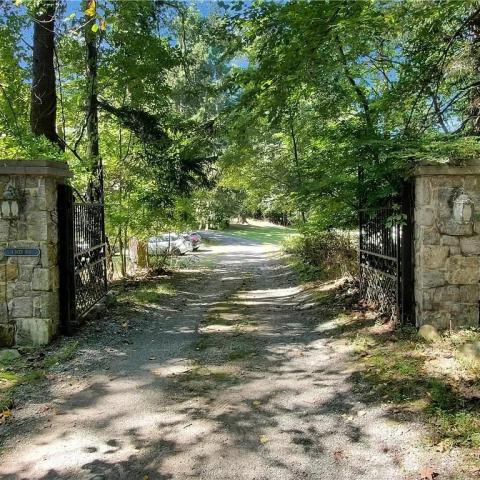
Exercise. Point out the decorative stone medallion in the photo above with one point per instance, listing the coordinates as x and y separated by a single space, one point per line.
462 209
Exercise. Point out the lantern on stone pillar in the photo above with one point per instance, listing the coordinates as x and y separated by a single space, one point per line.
10 203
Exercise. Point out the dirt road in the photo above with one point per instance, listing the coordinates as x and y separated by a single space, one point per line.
238 375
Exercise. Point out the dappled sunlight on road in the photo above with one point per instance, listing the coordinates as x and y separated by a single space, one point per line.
238 375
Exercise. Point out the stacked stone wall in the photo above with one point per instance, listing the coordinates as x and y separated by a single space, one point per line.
447 246
29 285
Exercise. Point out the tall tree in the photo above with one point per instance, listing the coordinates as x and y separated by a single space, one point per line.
93 148
43 94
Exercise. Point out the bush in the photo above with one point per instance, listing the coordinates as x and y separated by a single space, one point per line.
325 255
158 264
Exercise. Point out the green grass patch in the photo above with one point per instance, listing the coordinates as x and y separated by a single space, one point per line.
205 341
18 371
205 261
398 371
306 273
458 428
241 354
66 353
271 234
228 317
147 293
217 319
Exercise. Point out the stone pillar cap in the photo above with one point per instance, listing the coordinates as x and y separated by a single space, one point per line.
48 168
465 167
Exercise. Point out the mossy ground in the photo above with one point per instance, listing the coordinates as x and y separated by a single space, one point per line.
30 367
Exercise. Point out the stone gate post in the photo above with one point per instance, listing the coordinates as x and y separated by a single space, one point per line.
447 245
29 298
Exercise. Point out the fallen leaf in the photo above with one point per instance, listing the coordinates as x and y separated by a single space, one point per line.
427 473
338 455
263 439
257 403
441 447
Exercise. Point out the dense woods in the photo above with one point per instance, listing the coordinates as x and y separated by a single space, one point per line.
199 113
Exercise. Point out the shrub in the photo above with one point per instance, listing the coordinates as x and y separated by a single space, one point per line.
158 264
327 255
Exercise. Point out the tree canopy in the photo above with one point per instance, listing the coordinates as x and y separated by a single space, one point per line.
232 108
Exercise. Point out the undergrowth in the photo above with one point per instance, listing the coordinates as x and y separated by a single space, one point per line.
32 366
322 255
433 380
144 293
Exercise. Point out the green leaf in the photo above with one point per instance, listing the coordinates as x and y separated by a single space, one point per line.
95 27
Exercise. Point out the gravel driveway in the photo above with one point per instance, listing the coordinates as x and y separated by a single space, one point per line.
239 375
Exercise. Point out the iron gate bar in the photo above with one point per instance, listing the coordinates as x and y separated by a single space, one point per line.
88 249
379 260
91 264
66 259
385 257
393 277
83 257
90 256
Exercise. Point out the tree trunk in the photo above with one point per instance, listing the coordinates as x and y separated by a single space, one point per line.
125 243
297 165
93 150
43 94
123 264
110 266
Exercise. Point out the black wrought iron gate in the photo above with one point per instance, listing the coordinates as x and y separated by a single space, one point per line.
83 256
386 257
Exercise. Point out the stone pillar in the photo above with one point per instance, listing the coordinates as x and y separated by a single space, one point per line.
447 245
29 300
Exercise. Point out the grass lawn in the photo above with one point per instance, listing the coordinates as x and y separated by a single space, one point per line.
262 233
147 292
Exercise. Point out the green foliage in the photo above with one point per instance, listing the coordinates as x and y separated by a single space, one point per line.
266 108
331 88
215 208
324 255
16 141
29 147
